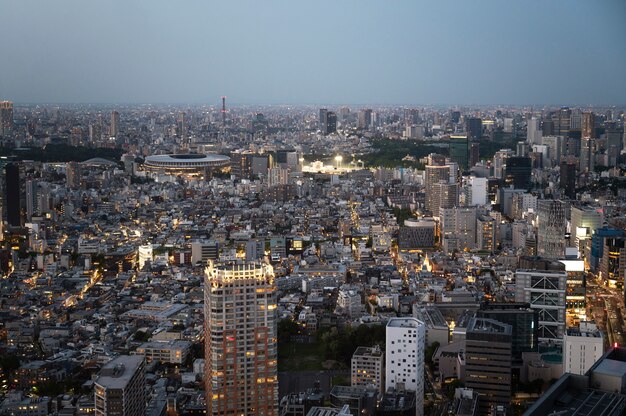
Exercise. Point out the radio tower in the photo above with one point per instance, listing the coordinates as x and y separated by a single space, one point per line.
224 112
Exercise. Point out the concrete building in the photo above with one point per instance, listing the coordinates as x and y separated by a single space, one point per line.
486 233
404 363
433 175
119 388
545 291
488 361
436 327
417 234
551 228
171 352
582 347
367 368
240 339
203 251
585 220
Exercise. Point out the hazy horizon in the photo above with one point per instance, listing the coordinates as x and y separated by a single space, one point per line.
314 53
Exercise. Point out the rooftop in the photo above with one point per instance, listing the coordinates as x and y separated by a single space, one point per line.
117 373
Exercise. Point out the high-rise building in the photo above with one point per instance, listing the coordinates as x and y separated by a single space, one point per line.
477 191
331 123
524 322
404 358
582 347
241 164
115 124
323 121
443 195
551 228
240 339
459 150
13 194
486 233
587 145
458 227
73 175
120 387
434 174
613 262
585 220
474 153
518 172
474 128
365 119
367 368
562 121
555 148
567 179
533 131
488 345
6 117
589 126
545 291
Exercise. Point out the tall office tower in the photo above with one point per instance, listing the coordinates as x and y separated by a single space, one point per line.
486 233
181 130
488 345
365 119
13 194
562 121
477 191
474 154
73 175
240 339
443 195
518 172
459 150
582 347
555 149
522 149
545 291
323 120
6 117
613 133
115 124
367 368
589 125
120 387
474 128
587 155
576 120
567 179
585 221
613 262
433 175
551 228
344 113
404 362
288 159
411 116
499 162
524 322
331 123
547 127
455 116
241 164
533 131
457 228
31 198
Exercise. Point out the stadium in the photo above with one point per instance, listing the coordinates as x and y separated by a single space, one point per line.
186 164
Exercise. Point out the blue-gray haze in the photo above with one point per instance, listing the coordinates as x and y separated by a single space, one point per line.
323 51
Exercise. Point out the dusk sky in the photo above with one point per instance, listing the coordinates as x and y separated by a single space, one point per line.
314 52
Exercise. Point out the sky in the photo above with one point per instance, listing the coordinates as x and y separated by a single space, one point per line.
532 52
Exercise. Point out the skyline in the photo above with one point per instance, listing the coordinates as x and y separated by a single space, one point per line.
374 53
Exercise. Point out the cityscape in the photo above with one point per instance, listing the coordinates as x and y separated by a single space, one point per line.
272 253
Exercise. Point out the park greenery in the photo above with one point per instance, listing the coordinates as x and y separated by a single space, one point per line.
62 153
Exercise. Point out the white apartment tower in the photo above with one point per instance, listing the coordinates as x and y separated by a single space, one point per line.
240 339
404 363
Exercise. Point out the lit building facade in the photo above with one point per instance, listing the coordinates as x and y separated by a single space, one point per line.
240 339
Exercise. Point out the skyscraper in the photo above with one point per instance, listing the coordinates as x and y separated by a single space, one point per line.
365 119
567 179
533 131
73 175
120 387
518 172
115 124
6 117
589 125
488 361
13 194
404 357
331 122
322 122
474 128
434 174
587 154
551 227
459 150
240 339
